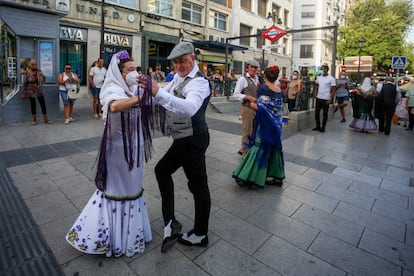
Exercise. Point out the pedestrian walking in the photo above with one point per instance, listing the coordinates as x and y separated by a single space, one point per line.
325 85
96 79
342 95
68 82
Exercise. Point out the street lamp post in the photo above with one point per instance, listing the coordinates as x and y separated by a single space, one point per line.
102 45
361 43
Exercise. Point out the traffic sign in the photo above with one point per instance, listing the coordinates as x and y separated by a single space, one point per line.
399 62
273 33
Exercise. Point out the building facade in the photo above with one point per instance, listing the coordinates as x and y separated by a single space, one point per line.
314 48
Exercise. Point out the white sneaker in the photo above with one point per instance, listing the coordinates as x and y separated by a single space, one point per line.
71 119
96 116
67 121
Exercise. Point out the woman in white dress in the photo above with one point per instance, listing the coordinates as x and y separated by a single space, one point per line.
115 220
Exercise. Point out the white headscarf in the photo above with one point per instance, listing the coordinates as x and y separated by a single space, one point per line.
366 84
114 86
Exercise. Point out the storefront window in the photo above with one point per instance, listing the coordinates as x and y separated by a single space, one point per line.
8 63
75 54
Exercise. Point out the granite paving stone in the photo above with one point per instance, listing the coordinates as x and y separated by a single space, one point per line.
378 193
304 182
350 197
294 168
239 233
357 176
97 265
270 199
401 188
290 260
284 227
50 206
351 259
393 211
394 251
333 225
313 199
389 227
233 203
339 181
342 163
224 259
171 263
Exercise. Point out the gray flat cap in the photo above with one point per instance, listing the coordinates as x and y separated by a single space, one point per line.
253 63
180 49
389 78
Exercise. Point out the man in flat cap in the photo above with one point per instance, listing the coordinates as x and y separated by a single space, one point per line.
246 92
185 99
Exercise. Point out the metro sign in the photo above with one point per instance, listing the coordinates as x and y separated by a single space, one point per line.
273 33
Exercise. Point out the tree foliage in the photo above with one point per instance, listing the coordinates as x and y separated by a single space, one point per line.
383 25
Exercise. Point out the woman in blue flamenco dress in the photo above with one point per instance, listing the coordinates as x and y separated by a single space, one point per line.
115 221
264 162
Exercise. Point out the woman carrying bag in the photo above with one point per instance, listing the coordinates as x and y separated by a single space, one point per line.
68 90
33 80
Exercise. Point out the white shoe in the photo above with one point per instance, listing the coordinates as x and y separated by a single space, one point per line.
191 239
71 119
67 121
96 116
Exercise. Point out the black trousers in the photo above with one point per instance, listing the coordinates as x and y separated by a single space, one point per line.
410 118
188 153
42 104
321 104
385 117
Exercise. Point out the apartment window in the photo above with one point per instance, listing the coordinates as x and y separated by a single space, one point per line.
222 2
285 43
261 8
161 7
308 14
245 30
191 13
246 4
286 17
306 51
218 20
125 3
276 11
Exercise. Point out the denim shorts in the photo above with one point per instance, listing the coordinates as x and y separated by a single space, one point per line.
95 91
64 97
342 99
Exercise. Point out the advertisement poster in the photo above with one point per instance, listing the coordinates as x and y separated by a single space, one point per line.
46 60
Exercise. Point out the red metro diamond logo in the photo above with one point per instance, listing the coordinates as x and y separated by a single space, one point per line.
273 33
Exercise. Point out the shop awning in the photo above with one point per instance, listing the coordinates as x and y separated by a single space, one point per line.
214 57
366 64
217 45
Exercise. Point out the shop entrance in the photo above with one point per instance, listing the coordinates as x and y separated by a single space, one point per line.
75 54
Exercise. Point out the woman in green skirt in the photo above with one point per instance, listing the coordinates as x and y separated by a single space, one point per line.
264 162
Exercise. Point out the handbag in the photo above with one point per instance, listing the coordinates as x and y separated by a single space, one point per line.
71 91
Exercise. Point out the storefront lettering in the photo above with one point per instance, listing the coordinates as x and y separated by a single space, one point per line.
42 2
95 11
115 39
69 33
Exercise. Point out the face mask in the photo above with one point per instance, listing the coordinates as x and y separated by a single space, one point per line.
294 77
131 78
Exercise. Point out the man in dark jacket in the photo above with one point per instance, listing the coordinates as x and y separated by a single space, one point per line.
387 102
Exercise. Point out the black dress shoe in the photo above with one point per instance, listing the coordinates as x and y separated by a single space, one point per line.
274 182
191 239
322 129
316 128
171 233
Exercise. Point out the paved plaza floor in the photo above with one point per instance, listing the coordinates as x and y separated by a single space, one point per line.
346 206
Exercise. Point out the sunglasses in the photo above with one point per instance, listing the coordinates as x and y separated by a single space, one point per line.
68 68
